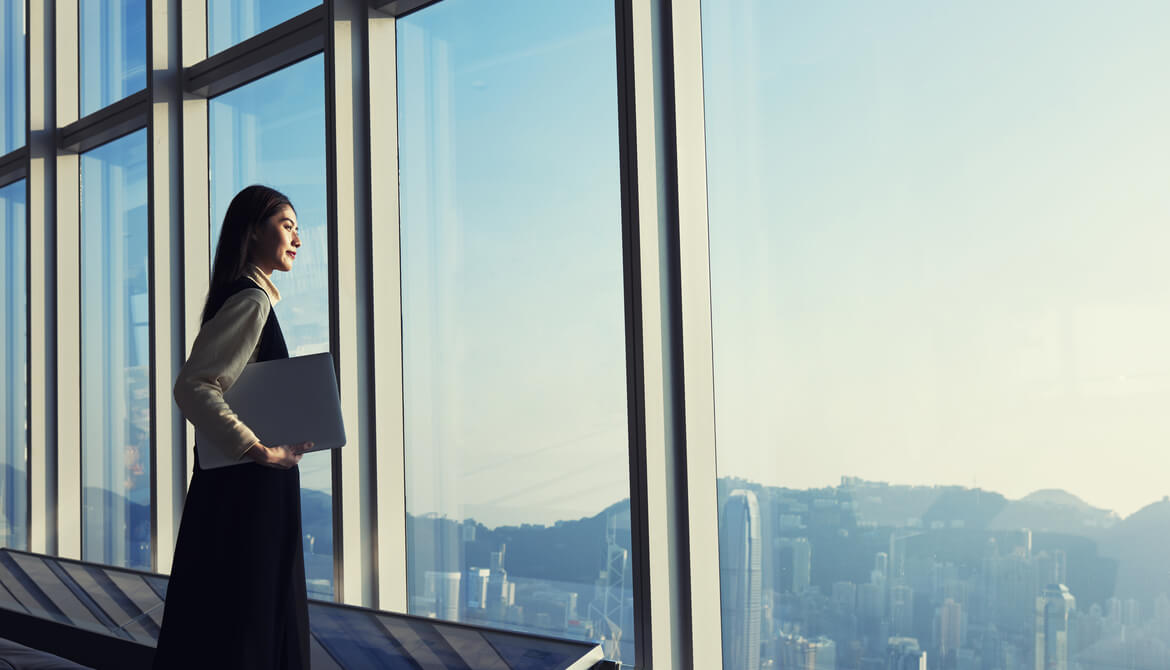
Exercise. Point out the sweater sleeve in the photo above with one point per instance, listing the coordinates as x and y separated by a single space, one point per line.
224 345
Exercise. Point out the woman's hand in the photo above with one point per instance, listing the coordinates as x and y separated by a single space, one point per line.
281 457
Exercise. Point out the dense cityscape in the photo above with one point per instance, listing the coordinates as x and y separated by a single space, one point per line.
572 579
862 576
869 576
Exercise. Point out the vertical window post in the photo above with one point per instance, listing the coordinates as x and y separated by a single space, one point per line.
168 446
348 176
68 285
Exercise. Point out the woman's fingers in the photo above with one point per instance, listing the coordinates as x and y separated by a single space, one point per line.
287 455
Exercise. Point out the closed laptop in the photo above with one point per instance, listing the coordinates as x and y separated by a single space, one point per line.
284 401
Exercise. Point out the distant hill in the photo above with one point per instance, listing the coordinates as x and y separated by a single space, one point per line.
1141 544
972 508
317 520
1055 511
1056 498
571 551
884 505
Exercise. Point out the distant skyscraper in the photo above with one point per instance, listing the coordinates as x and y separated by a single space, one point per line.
798 653
1113 610
793 564
477 587
499 591
902 610
1131 613
1162 616
903 653
609 612
444 588
898 538
1053 568
1052 610
741 580
1015 593
871 601
1162 608
950 628
845 595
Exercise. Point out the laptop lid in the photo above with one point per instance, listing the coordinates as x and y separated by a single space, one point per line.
284 401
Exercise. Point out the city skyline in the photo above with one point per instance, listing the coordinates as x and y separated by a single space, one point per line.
960 589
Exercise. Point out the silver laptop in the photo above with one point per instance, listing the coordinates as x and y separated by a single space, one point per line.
286 401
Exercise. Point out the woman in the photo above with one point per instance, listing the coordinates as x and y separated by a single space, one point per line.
236 597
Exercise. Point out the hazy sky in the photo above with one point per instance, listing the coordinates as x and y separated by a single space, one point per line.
938 236
513 340
939 244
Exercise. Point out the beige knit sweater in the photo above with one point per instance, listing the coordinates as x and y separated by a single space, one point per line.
224 345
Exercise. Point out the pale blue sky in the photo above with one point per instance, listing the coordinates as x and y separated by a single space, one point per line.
938 239
514 370
937 236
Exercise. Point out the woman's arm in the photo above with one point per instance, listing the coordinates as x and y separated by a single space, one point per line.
222 348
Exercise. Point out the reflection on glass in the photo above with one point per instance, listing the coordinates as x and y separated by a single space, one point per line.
13 369
128 605
512 307
272 131
12 84
940 324
112 51
115 354
230 22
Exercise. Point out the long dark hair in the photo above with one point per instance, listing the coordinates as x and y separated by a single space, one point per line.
250 208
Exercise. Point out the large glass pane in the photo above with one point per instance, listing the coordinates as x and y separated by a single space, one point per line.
938 236
230 22
13 369
272 132
115 354
12 83
513 349
112 51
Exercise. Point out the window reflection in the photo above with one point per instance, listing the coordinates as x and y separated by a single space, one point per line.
115 354
12 82
230 22
513 345
13 369
939 301
272 131
112 51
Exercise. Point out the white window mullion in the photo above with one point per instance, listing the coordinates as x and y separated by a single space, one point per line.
68 253
386 300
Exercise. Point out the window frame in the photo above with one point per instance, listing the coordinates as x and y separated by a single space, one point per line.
670 397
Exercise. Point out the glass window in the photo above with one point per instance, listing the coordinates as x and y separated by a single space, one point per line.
115 354
938 237
230 22
112 51
513 320
13 369
272 131
12 84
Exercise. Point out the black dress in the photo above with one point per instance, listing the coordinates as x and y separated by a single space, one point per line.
236 597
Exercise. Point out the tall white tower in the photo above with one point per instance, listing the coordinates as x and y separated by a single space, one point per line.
1052 609
741 580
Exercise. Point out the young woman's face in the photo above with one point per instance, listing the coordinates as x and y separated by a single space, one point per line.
276 241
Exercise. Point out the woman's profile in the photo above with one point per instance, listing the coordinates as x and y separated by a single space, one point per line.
236 597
